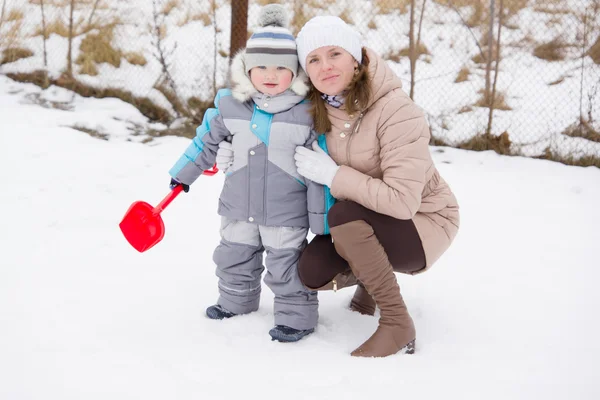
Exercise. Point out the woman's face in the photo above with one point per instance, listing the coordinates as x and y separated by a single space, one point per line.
330 69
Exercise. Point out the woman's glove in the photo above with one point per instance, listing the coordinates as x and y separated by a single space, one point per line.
315 165
224 156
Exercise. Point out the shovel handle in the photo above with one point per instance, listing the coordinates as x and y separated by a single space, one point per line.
212 171
168 199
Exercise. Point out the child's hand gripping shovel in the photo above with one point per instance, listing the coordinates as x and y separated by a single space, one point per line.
142 225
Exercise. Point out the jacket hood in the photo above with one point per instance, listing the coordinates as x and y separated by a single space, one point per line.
383 79
242 88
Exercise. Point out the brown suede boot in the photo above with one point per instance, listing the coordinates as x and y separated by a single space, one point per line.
356 242
362 302
340 281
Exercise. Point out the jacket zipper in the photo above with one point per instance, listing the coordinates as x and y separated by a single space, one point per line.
354 132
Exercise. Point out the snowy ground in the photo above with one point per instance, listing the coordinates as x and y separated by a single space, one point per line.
510 312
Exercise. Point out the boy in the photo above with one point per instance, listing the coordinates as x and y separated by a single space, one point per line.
265 203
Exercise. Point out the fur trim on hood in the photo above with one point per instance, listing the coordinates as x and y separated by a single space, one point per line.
242 88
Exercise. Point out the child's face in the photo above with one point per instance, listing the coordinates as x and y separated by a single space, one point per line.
271 80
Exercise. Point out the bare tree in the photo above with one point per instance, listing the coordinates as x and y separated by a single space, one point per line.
490 40
412 48
583 54
2 13
44 33
415 48
498 45
70 48
421 22
213 6
451 5
163 56
94 8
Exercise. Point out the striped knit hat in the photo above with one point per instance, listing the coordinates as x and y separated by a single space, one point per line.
272 43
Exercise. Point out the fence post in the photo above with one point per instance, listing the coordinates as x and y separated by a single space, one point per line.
239 26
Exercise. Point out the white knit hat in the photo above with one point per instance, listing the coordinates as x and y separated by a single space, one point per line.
272 43
324 31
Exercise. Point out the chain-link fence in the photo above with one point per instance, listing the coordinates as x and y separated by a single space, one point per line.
516 76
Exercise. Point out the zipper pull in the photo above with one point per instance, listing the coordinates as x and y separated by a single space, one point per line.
334 285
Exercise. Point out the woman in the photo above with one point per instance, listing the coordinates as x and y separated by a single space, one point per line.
394 213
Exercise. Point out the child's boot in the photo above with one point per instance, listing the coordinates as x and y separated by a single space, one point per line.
218 312
285 334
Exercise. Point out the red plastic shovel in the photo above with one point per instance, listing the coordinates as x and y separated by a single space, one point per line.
142 225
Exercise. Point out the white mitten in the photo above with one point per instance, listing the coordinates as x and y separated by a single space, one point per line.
224 156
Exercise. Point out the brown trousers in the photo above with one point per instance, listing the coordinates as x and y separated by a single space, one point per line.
320 262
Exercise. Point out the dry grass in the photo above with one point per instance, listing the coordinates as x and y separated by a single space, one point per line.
465 109
594 51
586 161
15 15
477 16
500 144
87 66
171 96
551 51
584 130
92 132
170 6
463 75
136 58
552 7
390 6
372 24
319 4
146 106
97 49
299 19
397 55
557 81
56 26
499 101
205 18
345 15
13 54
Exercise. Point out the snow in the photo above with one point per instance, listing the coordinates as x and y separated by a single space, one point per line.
508 312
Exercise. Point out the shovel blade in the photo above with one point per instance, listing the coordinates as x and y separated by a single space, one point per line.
142 227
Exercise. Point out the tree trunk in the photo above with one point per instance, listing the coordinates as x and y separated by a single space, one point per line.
70 49
412 48
493 95
488 68
44 34
239 26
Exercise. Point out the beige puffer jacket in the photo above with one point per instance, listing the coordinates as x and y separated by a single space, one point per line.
386 165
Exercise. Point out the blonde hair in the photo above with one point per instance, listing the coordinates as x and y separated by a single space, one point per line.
357 97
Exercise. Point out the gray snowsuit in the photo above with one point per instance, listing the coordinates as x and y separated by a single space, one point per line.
265 204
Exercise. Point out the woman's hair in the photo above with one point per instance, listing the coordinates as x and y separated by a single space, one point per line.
357 97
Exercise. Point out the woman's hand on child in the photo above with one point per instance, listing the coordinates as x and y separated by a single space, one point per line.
224 156
315 165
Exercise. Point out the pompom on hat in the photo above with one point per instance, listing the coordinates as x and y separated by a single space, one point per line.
324 31
272 43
